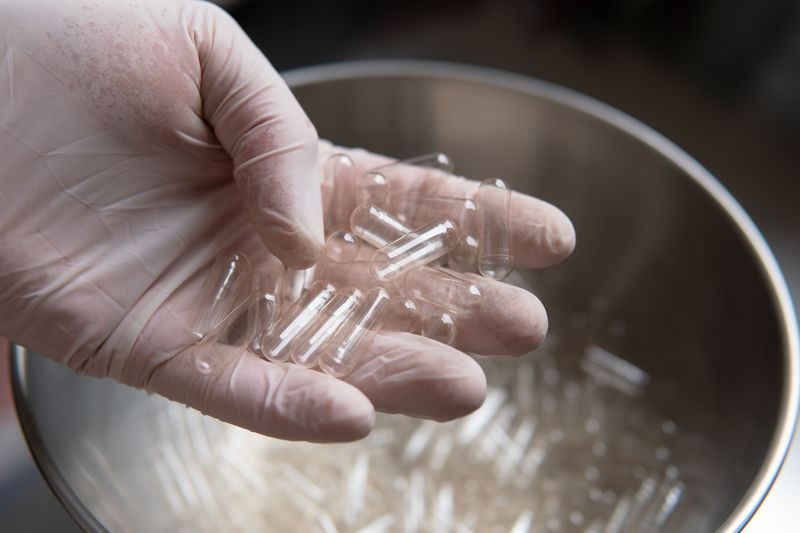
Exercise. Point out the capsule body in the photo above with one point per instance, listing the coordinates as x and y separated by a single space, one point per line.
403 315
342 246
346 346
237 330
338 180
376 226
435 161
415 249
356 274
464 255
438 287
277 339
421 209
263 309
306 347
224 287
494 231
440 326
372 188
268 275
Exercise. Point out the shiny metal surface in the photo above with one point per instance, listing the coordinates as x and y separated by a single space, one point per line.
706 310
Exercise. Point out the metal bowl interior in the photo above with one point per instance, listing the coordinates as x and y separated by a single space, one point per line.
677 264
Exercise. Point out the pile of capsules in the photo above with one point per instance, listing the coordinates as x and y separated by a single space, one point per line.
377 272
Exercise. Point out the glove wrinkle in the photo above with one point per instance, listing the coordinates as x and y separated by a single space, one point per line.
290 147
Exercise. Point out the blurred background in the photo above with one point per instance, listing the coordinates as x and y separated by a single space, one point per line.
720 78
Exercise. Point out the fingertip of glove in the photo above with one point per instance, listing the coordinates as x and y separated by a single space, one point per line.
350 416
464 395
561 235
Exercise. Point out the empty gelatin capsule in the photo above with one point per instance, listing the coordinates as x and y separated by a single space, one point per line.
403 315
494 231
433 161
464 255
338 180
259 316
277 339
236 330
225 285
438 287
295 282
342 246
267 275
415 249
342 351
306 347
376 226
372 188
421 209
439 326
356 274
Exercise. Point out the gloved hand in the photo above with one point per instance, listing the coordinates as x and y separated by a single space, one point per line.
131 135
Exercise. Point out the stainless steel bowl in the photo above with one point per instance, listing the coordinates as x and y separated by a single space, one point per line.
669 274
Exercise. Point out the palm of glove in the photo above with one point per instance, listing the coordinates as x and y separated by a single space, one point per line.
121 128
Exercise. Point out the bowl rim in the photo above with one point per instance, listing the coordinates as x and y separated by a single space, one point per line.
790 394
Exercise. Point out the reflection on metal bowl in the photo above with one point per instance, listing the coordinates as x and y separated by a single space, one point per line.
663 399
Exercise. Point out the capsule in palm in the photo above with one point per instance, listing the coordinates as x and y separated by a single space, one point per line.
342 246
277 339
237 330
227 282
494 230
403 315
415 249
346 346
440 326
306 348
438 287
338 180
374 187
375 226
420 209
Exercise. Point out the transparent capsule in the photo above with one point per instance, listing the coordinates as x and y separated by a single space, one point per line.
338 179
403 315
434 161
376 226
356 274
421 209
295 282
438 287
306 348
342 246
276 340
464 255
259 316
374 186
267 275
415 249
440 326
236 330
494 231
342 351
226 283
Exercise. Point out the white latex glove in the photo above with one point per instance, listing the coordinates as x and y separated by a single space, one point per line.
131 136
